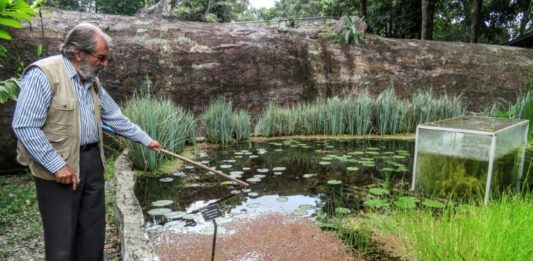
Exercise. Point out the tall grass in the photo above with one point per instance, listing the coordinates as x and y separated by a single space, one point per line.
225 126
521 109
389 111
503 230
360 115
171 126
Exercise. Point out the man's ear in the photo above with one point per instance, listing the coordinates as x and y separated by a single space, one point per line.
78 54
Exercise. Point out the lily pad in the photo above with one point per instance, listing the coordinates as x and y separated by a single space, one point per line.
324 163
154 229
282 199
253 180
169 179
306 206
175 224
162 203
253 194
353 169
379 191
404 204
278 173
263 170
253 156
159 211
178 174
279 169
235 192
175 215
225 166
413 199
236 172
306 176
334 182
299 212
433 203
376 203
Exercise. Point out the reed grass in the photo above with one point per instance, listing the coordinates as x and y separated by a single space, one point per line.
224 125
242 125
503 230
360 115
217 119
171 126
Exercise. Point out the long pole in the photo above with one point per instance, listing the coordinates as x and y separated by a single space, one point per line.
202 166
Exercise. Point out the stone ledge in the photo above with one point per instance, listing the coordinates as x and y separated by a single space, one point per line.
135 243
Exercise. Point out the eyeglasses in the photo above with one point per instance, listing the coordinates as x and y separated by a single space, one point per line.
100 58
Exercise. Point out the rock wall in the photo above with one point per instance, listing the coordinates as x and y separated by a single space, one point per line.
194 63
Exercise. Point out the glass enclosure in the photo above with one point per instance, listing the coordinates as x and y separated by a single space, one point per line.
469 156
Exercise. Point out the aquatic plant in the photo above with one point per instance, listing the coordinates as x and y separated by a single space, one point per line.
217 119
242 125
171 126
388 111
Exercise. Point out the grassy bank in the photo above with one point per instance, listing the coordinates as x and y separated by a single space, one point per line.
503 230
21 232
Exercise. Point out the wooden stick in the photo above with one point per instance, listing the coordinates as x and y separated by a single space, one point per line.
202 166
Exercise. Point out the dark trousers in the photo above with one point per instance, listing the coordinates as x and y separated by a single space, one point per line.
74 221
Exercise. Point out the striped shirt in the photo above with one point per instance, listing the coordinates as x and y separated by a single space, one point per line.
32 106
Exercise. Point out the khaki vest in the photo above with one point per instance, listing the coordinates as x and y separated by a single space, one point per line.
62 126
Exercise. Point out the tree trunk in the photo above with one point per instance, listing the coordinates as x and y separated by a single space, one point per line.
362 9
428 13
476 21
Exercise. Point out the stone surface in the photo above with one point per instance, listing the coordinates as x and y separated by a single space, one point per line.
135 244
194 63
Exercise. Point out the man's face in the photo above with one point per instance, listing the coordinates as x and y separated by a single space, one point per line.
93 62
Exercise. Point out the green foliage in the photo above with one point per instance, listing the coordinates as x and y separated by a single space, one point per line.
9 89
521 109
350 29
121 7
225 126
502 230
360 115
171 126
12 12
211 10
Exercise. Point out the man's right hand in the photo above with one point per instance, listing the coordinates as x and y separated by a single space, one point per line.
66 175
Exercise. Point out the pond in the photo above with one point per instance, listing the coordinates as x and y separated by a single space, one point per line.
295 177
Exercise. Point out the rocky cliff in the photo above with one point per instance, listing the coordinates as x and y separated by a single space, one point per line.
194 63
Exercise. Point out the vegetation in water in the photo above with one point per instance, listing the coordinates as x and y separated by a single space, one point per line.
224 125
172 126
449 176
362 115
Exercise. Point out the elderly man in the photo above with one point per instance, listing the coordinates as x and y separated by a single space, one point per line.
57 121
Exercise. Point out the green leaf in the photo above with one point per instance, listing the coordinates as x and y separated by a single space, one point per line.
433 204
5 35
379 191
404 204
376 203
10 23
17 15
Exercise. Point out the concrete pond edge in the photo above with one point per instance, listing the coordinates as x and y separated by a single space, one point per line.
135 243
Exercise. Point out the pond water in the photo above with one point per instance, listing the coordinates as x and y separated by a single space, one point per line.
287 177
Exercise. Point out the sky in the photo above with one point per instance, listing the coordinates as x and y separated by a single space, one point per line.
262 3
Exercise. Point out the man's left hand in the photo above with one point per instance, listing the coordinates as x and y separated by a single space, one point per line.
155 146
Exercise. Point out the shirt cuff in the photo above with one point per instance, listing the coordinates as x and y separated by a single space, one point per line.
55 165
146 140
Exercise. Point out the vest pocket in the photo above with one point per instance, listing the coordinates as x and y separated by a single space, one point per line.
61 111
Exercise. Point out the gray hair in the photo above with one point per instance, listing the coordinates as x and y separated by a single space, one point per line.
83 36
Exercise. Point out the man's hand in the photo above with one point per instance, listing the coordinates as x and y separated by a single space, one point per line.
66 175
155 146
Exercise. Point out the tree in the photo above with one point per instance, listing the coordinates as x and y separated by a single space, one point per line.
428 13
362 9
121 7
476 21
